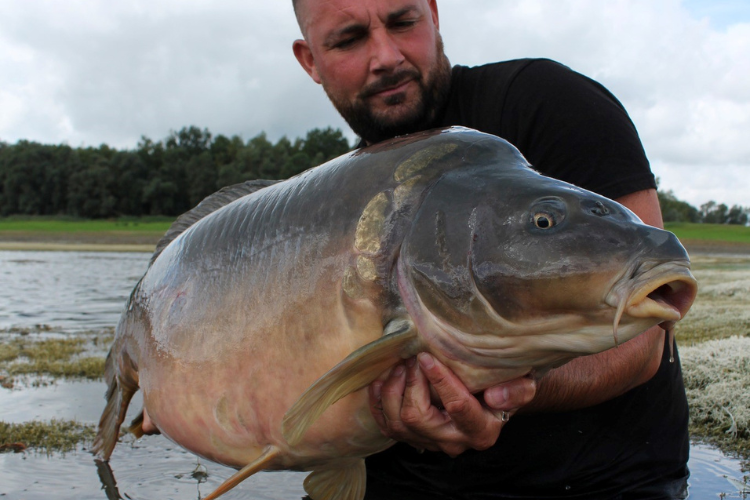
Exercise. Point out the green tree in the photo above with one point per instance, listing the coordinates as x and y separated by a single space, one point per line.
738 215
674 210
91 188
165 177
201 177
132 176
713 213
321 145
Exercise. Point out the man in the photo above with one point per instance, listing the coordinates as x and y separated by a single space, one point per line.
612 425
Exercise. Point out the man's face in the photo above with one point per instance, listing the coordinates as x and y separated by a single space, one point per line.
381 62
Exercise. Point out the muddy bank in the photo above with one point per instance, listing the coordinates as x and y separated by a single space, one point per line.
106 241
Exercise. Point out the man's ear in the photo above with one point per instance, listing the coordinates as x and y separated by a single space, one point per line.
305 57
434 12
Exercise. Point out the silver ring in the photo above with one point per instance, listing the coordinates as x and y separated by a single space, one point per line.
504 416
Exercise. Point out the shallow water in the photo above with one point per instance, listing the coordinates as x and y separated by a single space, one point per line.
71 290
77 291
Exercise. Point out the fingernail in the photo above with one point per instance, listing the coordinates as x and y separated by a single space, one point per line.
495 398
426 361
399 371
376 387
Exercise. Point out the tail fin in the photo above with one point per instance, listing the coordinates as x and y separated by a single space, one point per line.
120 390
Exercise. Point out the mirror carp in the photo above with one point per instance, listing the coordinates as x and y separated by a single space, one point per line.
267 310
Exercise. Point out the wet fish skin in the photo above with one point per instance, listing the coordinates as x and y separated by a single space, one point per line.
443 242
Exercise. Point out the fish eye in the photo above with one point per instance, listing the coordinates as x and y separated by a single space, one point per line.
544 220
547 213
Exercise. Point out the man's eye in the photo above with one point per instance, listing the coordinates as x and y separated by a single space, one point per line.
402 25
346 43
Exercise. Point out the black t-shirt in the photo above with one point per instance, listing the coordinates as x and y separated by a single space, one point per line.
568 127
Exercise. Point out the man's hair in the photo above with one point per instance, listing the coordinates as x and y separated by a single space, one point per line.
295 4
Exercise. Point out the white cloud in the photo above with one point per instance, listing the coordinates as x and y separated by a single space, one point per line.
683 82
87 72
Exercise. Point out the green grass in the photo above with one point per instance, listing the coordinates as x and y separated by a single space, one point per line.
710 232
55 435
70 225
54 357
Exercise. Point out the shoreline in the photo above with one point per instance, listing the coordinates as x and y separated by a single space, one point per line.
40 246
109 241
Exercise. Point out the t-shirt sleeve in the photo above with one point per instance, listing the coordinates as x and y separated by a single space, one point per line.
572 128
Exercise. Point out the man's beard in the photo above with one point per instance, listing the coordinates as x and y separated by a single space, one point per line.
422 113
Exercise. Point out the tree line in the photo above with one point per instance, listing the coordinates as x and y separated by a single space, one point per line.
674 210
166 177
171 176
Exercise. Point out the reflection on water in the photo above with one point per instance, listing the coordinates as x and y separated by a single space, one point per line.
711 473
150 469
76 291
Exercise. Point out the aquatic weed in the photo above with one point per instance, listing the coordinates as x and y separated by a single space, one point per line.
49 437
717 374
73 356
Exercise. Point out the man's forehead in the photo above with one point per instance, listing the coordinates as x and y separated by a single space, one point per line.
333 14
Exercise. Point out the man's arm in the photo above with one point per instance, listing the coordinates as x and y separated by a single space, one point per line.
402 407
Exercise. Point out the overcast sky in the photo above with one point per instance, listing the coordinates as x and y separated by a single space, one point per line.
87 72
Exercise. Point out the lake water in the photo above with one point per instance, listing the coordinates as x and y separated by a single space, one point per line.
80 291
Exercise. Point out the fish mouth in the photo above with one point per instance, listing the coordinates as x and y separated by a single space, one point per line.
660 291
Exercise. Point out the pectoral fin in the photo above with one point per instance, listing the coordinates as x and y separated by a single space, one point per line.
341 483
359 369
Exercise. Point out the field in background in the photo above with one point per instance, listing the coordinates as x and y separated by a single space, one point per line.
710 232
69 225
59 233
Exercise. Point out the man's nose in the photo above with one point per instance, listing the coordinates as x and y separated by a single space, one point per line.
386 54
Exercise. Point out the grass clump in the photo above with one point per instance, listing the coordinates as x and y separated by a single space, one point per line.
89 367
9 352
55 435
55 357
717 374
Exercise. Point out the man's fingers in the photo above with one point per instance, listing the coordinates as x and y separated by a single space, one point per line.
481 427
391 398
376 405
511 395
402 407
417 411
416 393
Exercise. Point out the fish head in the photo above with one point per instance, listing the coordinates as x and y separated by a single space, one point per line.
498 251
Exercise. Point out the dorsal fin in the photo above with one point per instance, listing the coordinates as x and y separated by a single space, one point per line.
210 203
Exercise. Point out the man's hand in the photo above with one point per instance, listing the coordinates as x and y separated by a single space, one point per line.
403 409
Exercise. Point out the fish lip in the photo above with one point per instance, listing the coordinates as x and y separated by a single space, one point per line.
652 289
672 294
